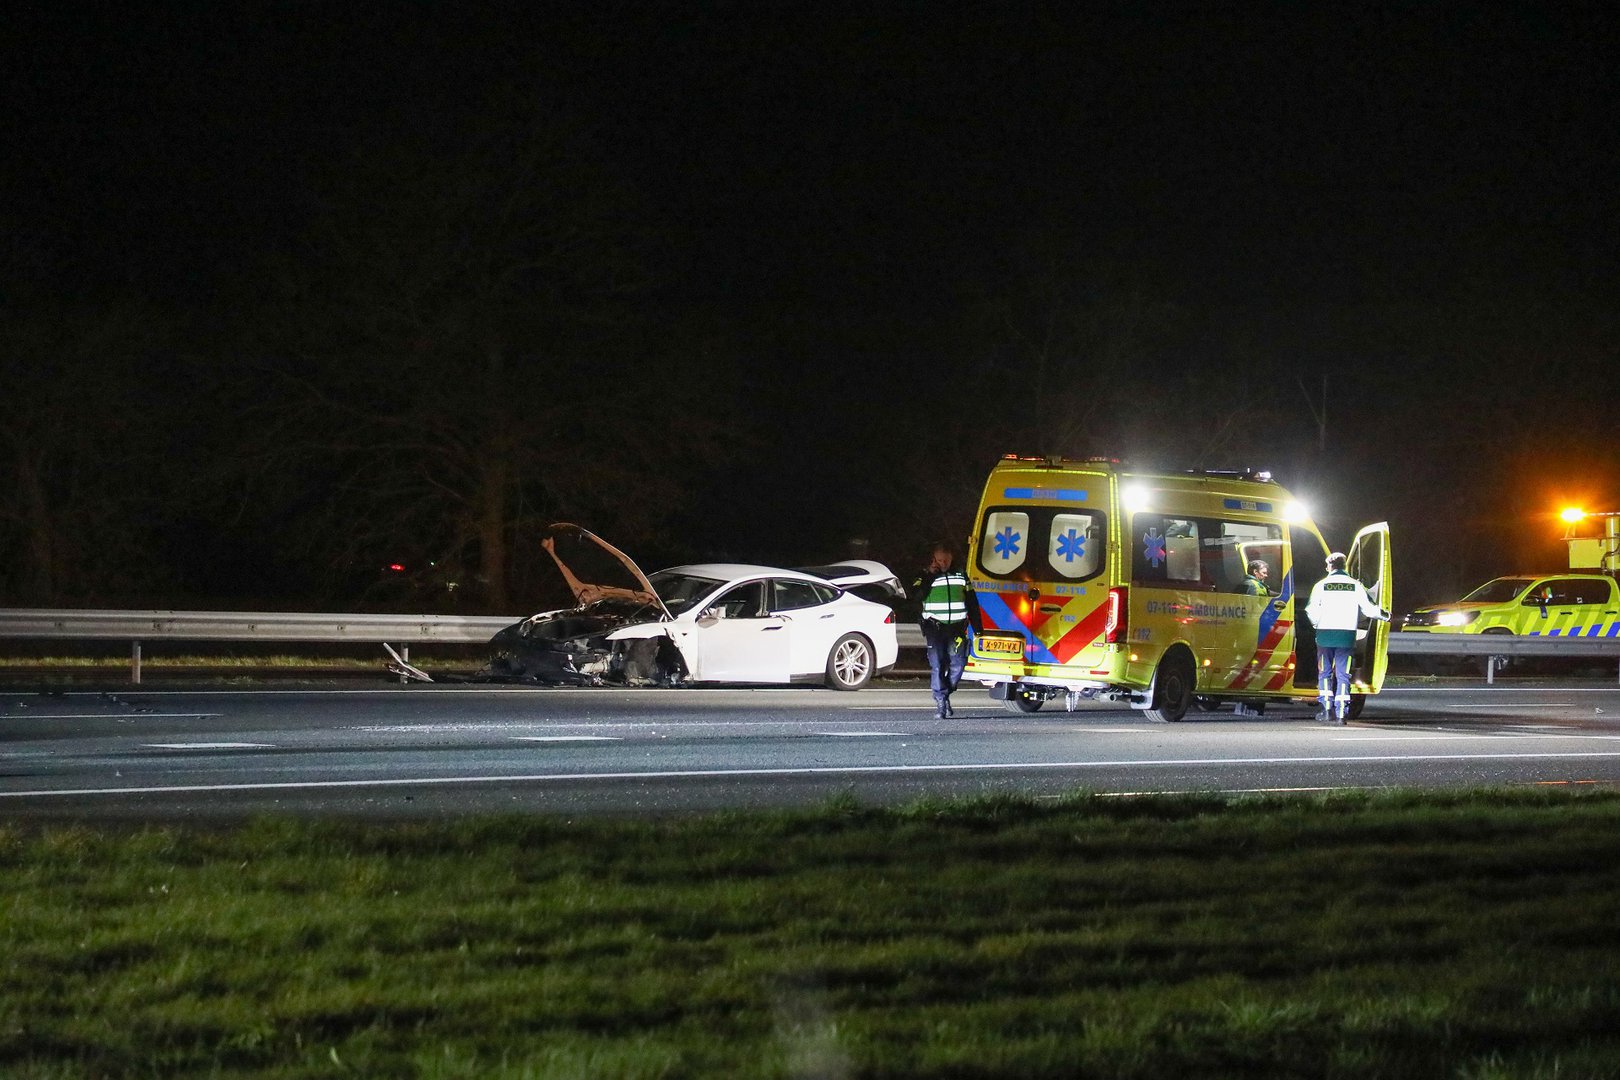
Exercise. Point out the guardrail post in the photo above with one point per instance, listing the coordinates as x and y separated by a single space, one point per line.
135 662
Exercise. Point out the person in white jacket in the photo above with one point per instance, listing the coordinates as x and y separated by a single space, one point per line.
1337 602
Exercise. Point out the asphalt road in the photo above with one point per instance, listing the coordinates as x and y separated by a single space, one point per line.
423 751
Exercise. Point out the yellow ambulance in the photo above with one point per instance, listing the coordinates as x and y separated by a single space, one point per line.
1095 580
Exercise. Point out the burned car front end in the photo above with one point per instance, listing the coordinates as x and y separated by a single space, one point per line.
572 647
613 634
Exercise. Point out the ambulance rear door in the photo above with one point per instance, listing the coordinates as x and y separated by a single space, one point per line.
1369 563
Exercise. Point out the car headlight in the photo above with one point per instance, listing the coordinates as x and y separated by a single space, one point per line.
1456 618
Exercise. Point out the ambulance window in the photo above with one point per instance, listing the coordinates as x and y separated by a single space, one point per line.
1181 562
1075 545
1004 543
1240 544
1166 549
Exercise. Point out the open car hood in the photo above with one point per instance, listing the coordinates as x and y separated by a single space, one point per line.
604 572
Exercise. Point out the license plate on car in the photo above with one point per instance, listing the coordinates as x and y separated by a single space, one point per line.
1001 646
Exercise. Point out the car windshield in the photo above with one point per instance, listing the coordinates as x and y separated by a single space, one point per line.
1499 591
681 591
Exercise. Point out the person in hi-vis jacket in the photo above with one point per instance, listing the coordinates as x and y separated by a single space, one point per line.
950 608
1337 601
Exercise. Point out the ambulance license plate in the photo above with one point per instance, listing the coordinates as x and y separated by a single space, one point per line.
1002 646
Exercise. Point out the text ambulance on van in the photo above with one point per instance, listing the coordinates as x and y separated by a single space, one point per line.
1094 580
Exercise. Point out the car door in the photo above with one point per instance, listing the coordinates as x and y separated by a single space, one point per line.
1569 606
1369 562
813 622
738 640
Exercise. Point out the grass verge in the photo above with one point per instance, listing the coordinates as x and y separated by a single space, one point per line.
1470 935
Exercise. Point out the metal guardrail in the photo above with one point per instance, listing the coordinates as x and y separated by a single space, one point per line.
1497 647
247 626
140 626
137 627
1411 643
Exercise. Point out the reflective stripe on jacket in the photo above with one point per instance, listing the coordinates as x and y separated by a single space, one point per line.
946 601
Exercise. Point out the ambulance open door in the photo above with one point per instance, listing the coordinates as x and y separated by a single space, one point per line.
1369 563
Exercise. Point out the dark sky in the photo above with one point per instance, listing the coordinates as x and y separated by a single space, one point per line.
855 173
1242 152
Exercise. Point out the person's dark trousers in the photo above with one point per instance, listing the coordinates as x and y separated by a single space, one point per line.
947 656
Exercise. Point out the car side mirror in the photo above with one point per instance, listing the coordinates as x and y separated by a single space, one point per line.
711 616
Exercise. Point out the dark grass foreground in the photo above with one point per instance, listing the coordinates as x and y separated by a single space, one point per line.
1468 936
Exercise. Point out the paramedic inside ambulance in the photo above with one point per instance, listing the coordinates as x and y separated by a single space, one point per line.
1255 583
1336 602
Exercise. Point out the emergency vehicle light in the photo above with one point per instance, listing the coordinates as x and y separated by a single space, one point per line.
1295 512
1117 628
1572 514
1134 497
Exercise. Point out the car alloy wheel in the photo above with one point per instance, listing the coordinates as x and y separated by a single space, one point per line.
849 667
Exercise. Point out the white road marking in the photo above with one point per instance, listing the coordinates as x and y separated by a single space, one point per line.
1517 705
469 691
862 734
1221 791
1501 690
654 726
566 738
858 770
117 716
1113 730
210 745
1415 738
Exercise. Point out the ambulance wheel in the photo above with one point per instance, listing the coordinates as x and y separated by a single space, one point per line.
1173 687
1022 701
1357 703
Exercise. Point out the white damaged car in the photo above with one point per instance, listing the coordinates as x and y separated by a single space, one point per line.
701 623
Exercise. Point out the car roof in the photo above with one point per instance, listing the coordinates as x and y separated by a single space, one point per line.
1554 574
851 572
738 571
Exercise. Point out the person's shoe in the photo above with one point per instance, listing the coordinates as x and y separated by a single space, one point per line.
949 711
941 711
